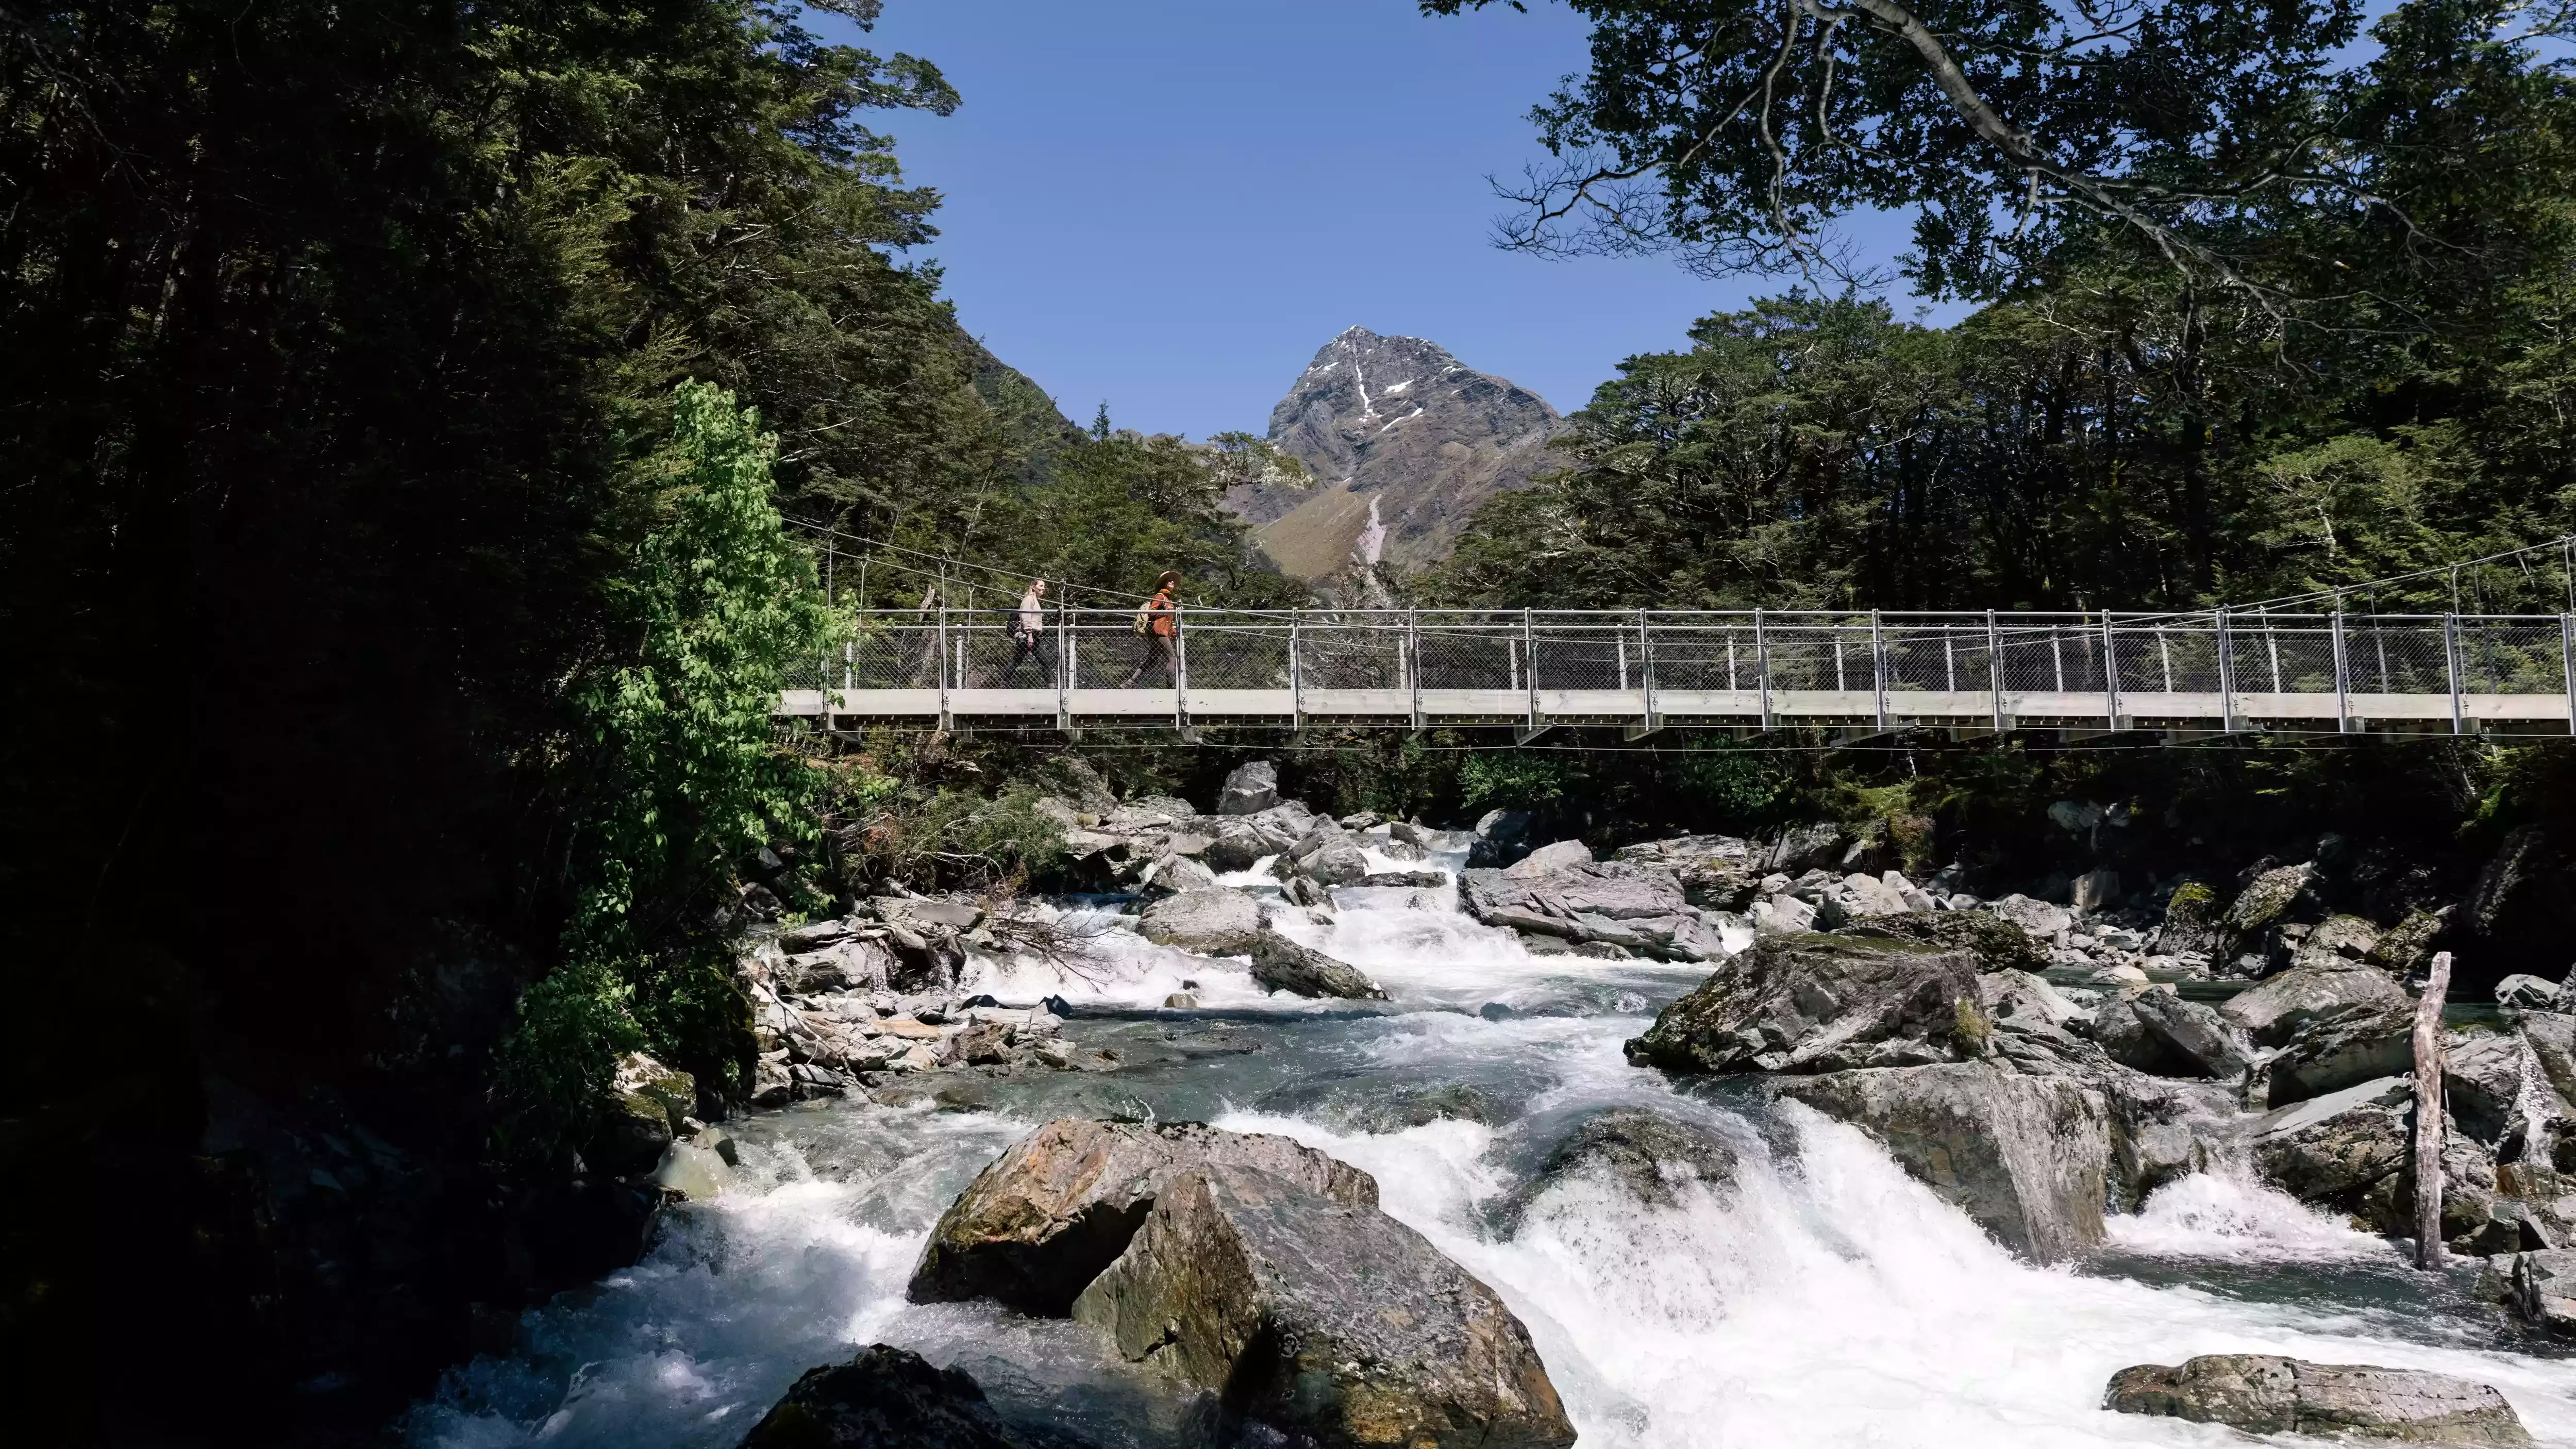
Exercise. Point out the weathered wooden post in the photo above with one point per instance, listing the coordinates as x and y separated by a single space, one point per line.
2428 1114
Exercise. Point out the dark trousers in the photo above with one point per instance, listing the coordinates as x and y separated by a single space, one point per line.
1024 648
1157 660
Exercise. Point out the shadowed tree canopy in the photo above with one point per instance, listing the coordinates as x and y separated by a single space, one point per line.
1736 132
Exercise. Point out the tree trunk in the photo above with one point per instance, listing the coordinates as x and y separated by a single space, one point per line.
2428 1114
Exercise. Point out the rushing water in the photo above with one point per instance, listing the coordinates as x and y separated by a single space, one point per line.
1826 1299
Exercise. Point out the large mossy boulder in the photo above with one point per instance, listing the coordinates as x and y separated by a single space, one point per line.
2265 1394
1049 1214
646 1104
1998 944
886 1398
1809 1003
2025 1157
1325 1322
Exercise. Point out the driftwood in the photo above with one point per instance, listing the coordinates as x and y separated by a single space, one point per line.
2428 1114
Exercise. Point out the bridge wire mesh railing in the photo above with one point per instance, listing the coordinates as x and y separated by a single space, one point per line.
2159 658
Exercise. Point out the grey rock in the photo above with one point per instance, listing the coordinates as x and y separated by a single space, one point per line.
2337 940
2342 1050
1783 916
1550 859
646 1102
1636 908
1820 1004
2281 1006
1179 875
1646 1156
1326 1322
2331 1149
2495 1085
1804 847
1212 922
2095 891
2544 1289
2199 1034
1998 944
1406 879
2529 993
1049 1214
2021 1001
2024 1156
886 1398
1501 837
691 1170
2039 918
926 915
1280 964
2263 1394
1249 789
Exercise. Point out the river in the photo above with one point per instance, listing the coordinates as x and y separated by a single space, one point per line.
1825 1299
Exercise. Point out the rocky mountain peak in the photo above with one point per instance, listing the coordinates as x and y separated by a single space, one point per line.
1404 442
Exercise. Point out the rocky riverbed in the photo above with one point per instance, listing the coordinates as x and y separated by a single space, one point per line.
1743 1142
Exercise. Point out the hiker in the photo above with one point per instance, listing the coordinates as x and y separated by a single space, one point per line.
1157 622
1028 630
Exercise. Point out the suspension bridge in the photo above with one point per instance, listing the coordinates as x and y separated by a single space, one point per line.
1852 675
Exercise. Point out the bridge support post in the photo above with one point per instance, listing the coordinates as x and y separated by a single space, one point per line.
1180 671
1064 667
1530 726
2226 675
2567 664
946 724
2110 674
2451 663
1649 721
1762 671
1296 681
1995 669
2343 676
1877 672
1413 666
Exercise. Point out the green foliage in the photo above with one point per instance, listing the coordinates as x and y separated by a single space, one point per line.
937 837
551 1074
1496 780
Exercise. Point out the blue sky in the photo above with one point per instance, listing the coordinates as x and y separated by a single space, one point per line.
1170 205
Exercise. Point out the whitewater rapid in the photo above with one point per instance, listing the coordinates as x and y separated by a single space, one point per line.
1824 1299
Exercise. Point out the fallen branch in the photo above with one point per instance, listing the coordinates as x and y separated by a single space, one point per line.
2428 1114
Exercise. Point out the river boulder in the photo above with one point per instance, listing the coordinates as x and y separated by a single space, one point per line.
2265 1394
1211 922
2544 1289
886 1398
2195 1033
2343 1050
1280 964
1998 944
1639 909
1250 788
2276 1009
1057 1208
1549 859
2331 1150
2025 1157
1645 1156
1819 1004
1324 1321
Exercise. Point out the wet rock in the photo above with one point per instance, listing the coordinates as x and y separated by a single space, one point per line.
2264 1394
2330 1150
2281 1006
1805 847
2038 918
1638 909
2495 1085
646 1101
1644 1155
2209 1041
1820 1004
2274 898
1324 1321
1249 789
2342 1050
2544 1289
690 1170
928 915
1280 964
1550 859
1212 922
1998 944
2527 993
2024 1156
1327 855
886 1398
1046 1216
1420 880
1502 836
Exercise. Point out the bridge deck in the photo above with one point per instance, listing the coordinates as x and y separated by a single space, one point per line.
1656 670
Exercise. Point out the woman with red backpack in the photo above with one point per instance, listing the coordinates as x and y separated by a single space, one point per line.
1157 622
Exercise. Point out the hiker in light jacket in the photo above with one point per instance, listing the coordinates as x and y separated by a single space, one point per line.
1157 622
1028 631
